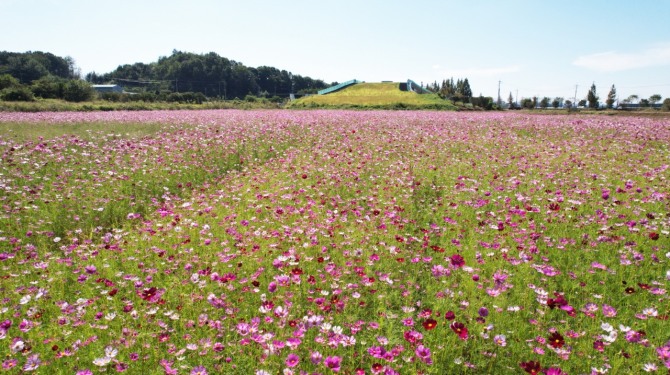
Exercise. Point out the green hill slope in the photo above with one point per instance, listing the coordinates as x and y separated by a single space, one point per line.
374 96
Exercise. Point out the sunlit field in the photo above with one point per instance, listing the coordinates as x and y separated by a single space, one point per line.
333 242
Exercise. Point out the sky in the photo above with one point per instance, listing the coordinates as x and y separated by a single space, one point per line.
524 47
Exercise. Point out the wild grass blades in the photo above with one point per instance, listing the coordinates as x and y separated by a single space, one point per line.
335 242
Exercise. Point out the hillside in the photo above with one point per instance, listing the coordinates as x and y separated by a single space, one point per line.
386 95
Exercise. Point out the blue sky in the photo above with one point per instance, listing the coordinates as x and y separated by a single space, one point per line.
534 47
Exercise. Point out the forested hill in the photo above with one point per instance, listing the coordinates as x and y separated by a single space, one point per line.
210 74
29 66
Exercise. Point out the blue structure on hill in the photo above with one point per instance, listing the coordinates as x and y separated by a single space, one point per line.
338 87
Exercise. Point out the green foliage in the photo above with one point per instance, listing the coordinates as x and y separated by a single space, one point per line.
611 98
7 81
655 99
527 103
544 103
592 97
30 66
210 75
557 102
49 87
666 105
77 91
484 102
17 94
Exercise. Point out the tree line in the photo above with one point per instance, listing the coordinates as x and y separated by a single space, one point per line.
459 91
209 74
182 76
592 101
26 75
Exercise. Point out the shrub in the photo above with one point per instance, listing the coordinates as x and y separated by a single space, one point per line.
48 87
7 81
666 105
77 91
17 94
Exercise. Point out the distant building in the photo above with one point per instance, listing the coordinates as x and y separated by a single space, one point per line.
107 88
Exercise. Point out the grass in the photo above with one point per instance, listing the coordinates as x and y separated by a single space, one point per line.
373 96
56 105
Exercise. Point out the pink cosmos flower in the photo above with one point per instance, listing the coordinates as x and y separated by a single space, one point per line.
609 311
292 360
423 353
333 363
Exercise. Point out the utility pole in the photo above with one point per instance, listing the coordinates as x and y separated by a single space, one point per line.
499 104
575 103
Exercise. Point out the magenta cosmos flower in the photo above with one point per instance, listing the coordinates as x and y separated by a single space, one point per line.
292 360
333 363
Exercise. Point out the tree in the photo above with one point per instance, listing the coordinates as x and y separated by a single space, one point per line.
7 81
17 94
510 100
568 104
582 103
633 98
467 92
544 103
644 103
592 97
77 91
49 87
654 99
534 102
666 105
527 103
557 102
611 98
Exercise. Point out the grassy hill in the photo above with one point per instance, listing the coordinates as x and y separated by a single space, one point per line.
374 96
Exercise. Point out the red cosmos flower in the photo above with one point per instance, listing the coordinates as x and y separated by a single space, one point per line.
152 294
531 367
653 236
556 302
449 315
429 324
460 330
457 261
297 271
437 249
556 340
599 345
304 176
554 207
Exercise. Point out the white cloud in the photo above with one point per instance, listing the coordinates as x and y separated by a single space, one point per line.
613 61
478 72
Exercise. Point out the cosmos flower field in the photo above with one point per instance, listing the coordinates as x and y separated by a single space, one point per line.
333 242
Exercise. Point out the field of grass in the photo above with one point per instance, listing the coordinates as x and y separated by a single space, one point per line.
333 242
374 95
56 105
